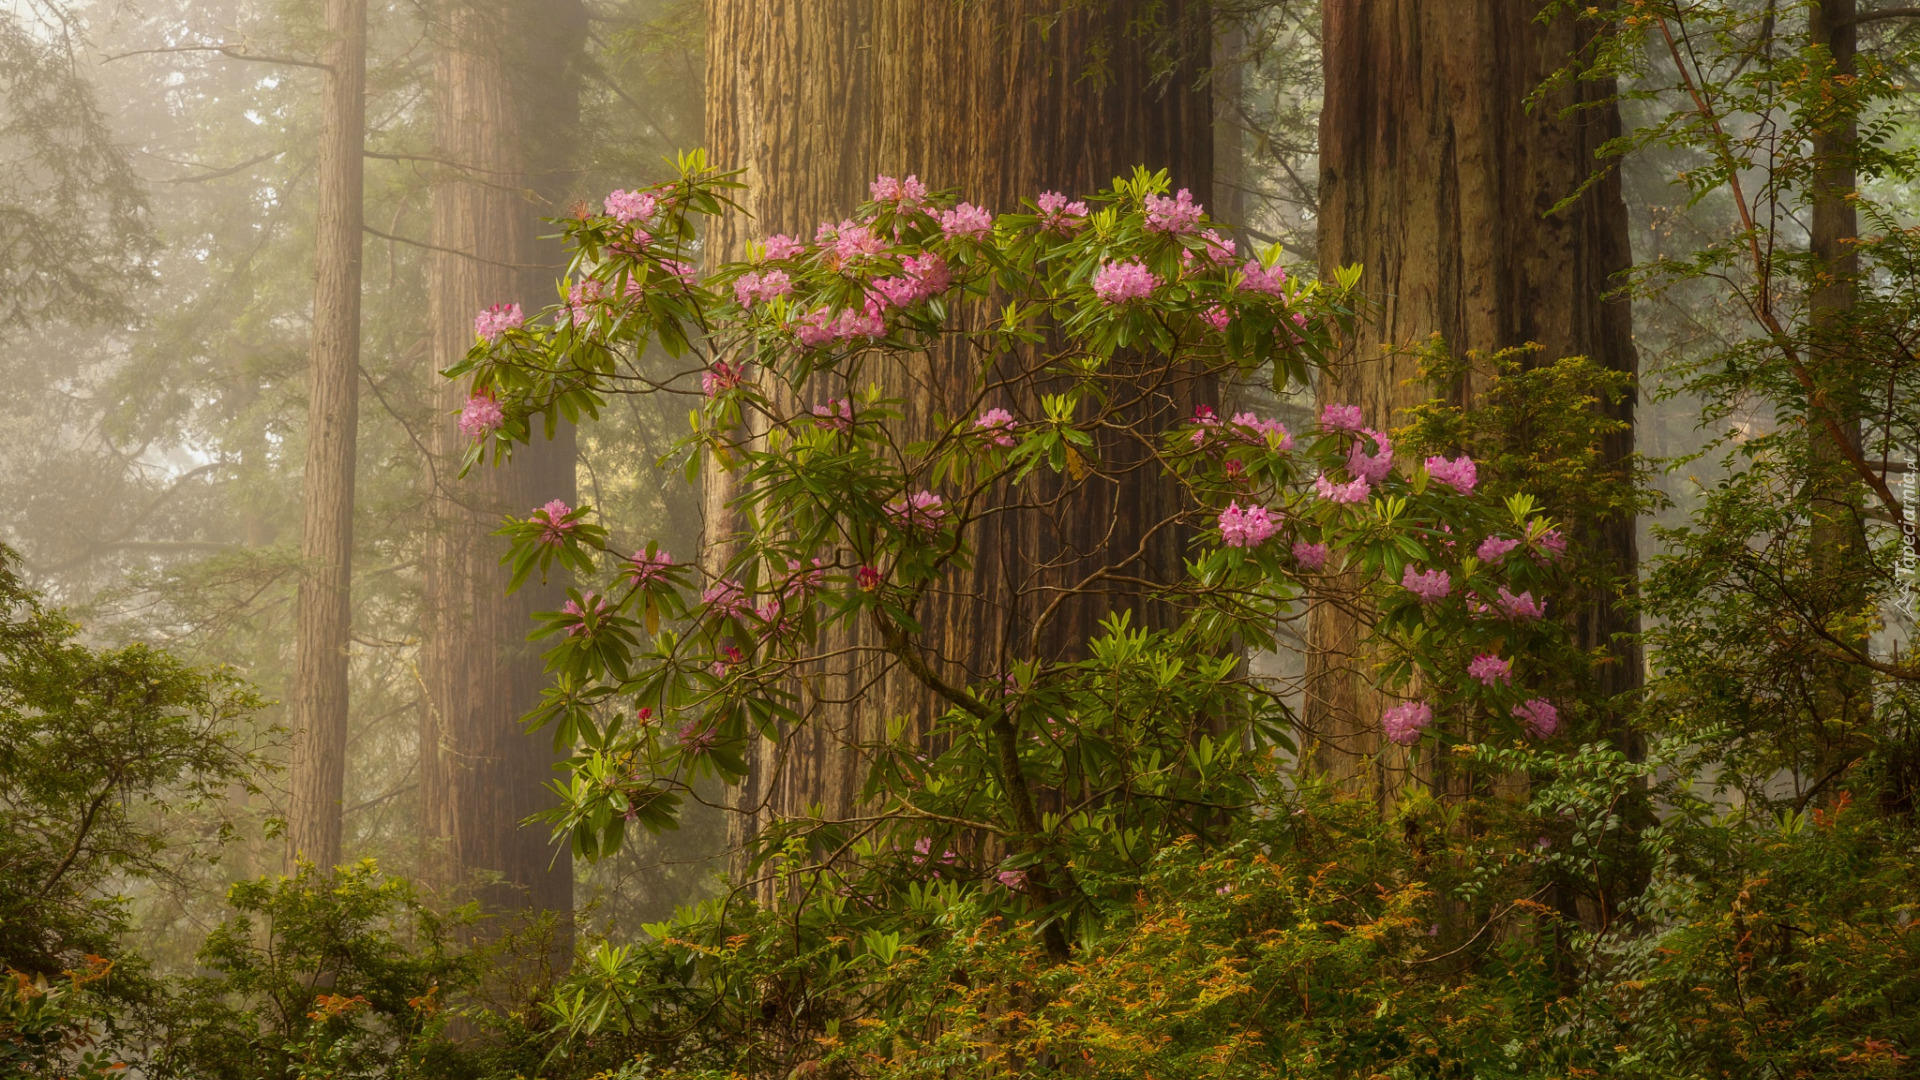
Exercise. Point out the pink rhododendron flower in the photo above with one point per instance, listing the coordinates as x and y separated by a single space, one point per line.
554 528
1217 317
590 603
720 378
922 510
695 737
497 320
481 416
1490 669
1458 474
1493 549
1220 249
726 599
581 299
821 325
906 194
966 222
1309 556
1539 715
783 247
852 242
836 413
1354 491
627 207
1179 214
1259 279
1119 282
646 569
1374 467
867 578
997 426
1523 606
1342 418
1553 542
1404 722
1014 880
1430 586
803 578
1249 527
1058 215
1257 429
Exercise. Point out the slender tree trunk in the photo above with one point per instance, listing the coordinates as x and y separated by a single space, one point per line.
1438 179
325 615
1839 534
507 99
995 98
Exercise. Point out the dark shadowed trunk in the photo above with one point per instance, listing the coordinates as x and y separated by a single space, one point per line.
507 100
996 99
318 699
1438 179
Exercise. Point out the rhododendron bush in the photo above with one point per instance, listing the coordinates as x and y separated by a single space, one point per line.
1079 326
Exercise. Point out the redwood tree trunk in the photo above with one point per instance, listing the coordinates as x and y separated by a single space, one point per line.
324 618
507 98
1438 179
813 100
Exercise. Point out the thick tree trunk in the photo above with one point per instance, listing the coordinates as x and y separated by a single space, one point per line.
813 99
325 616
507 97
1438 179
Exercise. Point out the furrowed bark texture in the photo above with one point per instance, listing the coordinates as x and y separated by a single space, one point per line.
325 615
814 98
1437 178
507 96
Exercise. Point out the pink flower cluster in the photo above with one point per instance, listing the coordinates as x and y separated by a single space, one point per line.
695 737
720 378
1258 279
1249 527
922 510
1554 543
1012 880
1490 669
822 326
589 609
1217 317
627 207
1342 418
726 599
905 195
1353 491
1430 586
1057 215
782 247
555 527
1179 214
848 241
497 320
1310 556
1257 429
1521 607
996 426
1219 249
836 413
1119 282
646 569
1372 467
481 416
1539 715
966 222
581 298
921 276
1458 474
1404 723
1493 549
761 285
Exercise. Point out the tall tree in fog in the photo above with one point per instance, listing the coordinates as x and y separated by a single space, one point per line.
324 623
1440 177
506 98
1002 100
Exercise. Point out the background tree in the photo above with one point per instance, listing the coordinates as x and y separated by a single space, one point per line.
324 608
